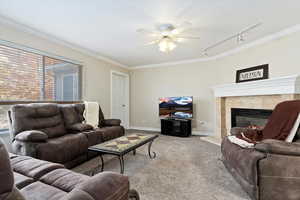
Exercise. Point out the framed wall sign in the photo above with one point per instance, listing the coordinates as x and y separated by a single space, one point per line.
253 73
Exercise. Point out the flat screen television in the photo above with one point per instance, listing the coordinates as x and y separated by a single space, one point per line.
176 107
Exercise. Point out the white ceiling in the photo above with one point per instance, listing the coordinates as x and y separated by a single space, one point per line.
108 27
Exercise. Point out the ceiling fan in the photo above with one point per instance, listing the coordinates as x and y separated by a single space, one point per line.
168 35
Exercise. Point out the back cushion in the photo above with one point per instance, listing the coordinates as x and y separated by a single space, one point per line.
72 113
45 117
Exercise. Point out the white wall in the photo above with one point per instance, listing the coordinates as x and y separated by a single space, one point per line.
196 79
96 73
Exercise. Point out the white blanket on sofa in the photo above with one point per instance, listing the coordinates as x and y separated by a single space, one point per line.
241 143
91 113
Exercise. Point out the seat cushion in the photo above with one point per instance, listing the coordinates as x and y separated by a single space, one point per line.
21 180
64 179
63 149
40 191
112 132
31 167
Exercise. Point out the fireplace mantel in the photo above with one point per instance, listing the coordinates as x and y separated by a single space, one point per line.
263 94
274 86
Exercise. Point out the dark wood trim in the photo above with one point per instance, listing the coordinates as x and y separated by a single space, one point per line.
27 102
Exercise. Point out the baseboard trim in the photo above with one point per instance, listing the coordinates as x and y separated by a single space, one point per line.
144 128
194 132
201 133
212 140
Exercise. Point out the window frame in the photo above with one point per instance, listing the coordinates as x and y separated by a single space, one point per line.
49 55
44 55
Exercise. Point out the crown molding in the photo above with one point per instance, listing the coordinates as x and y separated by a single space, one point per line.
27 29
257 42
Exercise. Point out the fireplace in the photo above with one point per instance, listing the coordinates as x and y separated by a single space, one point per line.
242 117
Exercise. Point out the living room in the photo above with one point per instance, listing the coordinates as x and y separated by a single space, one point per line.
79 80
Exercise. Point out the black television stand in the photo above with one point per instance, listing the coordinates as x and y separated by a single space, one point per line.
176 127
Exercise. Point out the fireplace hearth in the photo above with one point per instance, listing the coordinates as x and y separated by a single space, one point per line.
243 117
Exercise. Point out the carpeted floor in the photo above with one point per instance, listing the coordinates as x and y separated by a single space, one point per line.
184 169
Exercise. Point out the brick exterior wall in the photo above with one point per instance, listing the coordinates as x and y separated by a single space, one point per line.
21 75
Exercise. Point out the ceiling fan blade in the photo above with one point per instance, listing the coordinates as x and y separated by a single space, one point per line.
148 32
188 37
152 42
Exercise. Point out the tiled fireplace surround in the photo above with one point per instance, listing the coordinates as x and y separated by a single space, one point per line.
264 94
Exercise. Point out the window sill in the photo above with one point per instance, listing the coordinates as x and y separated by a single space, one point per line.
4 132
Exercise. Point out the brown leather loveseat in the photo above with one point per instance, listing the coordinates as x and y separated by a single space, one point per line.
269 171
56 132
26 178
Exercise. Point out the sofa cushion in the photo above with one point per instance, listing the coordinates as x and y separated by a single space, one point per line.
94 137
63 179
63 149
79 127
79 107
31 167
111 132
104 186
45 117
278 147
32 136
39 191
72 113
21 180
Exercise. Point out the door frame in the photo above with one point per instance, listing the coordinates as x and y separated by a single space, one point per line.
127 110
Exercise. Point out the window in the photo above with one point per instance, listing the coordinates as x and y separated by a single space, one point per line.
28 76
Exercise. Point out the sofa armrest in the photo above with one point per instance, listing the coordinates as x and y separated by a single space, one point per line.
32 136
112 122
278 147
104 186
79 127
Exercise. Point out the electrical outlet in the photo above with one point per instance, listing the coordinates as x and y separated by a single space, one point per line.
201 122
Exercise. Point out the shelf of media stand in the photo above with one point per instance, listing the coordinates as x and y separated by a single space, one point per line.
176 127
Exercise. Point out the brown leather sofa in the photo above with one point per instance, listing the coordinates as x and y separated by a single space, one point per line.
23 177
269 171
56 133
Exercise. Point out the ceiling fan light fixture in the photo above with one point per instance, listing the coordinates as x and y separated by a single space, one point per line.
166 44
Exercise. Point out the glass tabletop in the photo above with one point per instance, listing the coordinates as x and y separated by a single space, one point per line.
123 143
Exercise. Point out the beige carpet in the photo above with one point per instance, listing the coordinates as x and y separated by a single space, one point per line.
184 169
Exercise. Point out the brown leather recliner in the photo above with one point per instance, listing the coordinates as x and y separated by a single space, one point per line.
23 177
268 171
55 133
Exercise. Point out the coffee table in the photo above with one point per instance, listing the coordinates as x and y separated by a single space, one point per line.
123 145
